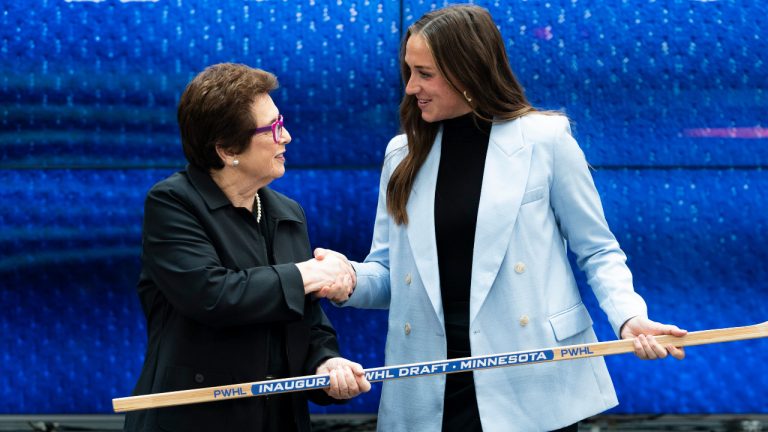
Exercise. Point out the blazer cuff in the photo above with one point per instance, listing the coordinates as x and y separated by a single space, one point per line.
618 323
293 286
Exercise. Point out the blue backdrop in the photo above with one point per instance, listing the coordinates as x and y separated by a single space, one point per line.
669 99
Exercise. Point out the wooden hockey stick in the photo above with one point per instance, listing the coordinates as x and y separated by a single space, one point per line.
310 382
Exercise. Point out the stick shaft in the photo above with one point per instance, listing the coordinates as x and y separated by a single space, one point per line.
310 382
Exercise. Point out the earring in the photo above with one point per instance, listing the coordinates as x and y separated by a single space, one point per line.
235 162
469 99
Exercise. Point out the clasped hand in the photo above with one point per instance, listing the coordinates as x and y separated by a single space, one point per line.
328 275
347 378
643 330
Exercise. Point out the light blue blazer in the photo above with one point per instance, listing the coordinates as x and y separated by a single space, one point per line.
537 199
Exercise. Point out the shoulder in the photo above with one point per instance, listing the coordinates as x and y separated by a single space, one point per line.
281 205
171 197
397 149
281 198
544 127
176 184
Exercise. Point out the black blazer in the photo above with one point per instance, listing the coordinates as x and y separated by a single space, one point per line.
211 300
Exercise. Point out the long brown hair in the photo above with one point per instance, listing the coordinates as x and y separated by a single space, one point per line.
470 53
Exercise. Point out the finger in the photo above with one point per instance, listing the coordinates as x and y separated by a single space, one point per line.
339 288
657 328
676 331
658 350
639 347
647 349
332 387
320 253
333 390
352 389
327 291
356 368
362 382
343 384
678 353
338 294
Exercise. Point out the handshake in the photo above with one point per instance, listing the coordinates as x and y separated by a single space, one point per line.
329 274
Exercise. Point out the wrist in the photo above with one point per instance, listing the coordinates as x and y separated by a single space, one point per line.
623 326
307 272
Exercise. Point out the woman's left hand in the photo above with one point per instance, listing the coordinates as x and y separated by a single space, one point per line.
347 378
643 330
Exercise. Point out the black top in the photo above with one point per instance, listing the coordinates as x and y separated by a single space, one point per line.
457 197
216 296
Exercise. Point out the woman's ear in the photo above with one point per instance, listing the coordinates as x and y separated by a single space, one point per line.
227 157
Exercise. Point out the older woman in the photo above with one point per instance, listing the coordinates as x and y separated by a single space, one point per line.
227 271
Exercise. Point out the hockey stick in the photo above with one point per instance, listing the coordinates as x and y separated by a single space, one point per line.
310 382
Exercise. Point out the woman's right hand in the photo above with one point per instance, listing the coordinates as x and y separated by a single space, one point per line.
328 275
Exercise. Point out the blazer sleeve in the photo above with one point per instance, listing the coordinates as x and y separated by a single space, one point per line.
179 257
373 283
579 214
322 346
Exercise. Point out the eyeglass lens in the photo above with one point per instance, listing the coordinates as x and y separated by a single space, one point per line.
278 130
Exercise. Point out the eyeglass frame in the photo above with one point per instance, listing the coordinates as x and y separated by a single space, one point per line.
273 128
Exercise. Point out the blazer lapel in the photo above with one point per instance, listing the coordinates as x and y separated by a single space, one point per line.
504 180
421 225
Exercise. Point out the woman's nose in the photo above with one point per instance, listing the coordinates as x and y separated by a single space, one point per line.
285 138
411 88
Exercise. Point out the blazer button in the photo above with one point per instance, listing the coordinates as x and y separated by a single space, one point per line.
407 329
408 279
524 320
199 378
519 268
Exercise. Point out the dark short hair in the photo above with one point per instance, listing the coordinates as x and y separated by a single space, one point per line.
215 110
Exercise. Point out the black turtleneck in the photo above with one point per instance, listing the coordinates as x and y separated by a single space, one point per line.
457 197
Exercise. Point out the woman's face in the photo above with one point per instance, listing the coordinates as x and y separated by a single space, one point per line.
264 159
436 98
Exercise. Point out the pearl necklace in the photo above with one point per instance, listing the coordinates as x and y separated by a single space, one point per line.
258 208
